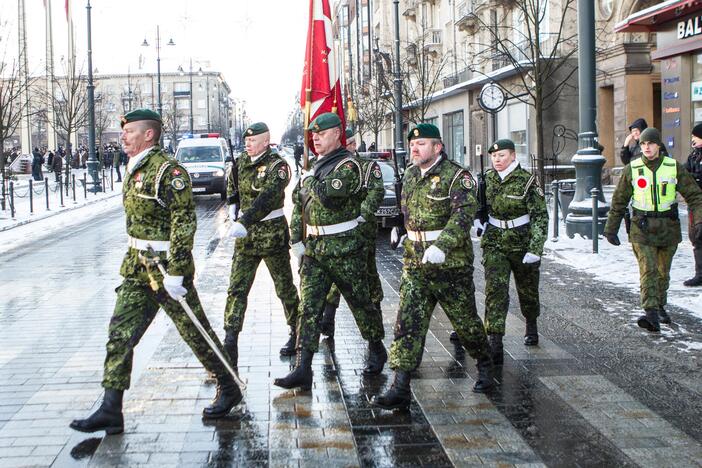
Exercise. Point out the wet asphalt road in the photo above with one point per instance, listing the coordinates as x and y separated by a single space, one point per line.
596 392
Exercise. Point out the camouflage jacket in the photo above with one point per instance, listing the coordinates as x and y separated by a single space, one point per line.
333 195
656 231
261 188
158 204
517 195
374 195
444 198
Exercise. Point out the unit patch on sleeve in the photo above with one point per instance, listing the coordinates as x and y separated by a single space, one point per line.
376 173
336 184
467 181
282 173
178 183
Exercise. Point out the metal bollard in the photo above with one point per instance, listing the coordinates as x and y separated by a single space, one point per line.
595 219
85 185
61 192
46 192
112 180
554 194
12 199
104 189
73 181
31 197
3 194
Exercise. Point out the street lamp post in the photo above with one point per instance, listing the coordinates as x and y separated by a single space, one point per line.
399 138
588 161
158 69
92 160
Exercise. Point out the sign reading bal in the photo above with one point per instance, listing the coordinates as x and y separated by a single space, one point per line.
690 27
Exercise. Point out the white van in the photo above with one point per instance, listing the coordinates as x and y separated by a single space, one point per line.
205 157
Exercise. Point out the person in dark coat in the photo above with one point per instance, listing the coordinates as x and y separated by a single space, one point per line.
694 167
57 166
50 160
298 157
37 161
116 160
631 149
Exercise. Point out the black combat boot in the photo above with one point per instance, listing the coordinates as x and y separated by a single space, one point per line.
697 279
531 336
288 348
231 346
663 315
454 337
327 323
377 356
485 381
227 397
107 418
301 376
650 321
399 394
496 349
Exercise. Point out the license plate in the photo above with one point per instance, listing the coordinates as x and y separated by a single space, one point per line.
199 189
387 211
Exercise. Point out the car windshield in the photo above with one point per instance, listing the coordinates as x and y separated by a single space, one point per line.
388 173
196 154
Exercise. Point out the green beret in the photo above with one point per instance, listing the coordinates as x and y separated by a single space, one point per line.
256 129
651 135
424 130
349 133
503 144
139 114
324 122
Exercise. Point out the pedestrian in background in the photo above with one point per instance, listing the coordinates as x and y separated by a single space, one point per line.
439 200
261 234
332 251
37 162
631 149
297 154
160 214
694 167
116 162
512 241
650 183
57 166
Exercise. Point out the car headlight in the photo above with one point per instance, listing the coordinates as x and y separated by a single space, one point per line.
218 173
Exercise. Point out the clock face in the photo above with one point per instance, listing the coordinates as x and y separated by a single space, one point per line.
492 98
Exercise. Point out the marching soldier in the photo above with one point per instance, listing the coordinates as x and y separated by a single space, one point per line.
438 205
512 242
375 192
651 183
160 214
261 232
328 202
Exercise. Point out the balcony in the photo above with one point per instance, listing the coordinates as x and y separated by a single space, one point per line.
410 10
466 19
460 77
432 40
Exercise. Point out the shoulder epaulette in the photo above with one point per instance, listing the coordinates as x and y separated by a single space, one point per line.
358 166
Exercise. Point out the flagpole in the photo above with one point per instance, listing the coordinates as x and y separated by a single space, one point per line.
51 130
308 90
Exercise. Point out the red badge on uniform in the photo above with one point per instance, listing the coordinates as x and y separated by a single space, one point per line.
176 172
641 182
137 177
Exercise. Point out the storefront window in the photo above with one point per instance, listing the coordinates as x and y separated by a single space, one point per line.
453 136
696 89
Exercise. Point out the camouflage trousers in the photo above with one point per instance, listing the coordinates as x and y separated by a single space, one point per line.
498 268
135 309
654 273
242 277
374 286
420 290
349 274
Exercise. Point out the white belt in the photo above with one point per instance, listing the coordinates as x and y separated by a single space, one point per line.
510 224
142 244
274 214
424 236
331 228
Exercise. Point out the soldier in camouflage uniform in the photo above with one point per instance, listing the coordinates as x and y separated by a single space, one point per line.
651 183
160 214
375 192
327 206
438 205
261 232
514 231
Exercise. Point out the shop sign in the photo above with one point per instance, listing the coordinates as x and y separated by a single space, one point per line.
671 110
672 124
674 79
670 95
696 91
690 27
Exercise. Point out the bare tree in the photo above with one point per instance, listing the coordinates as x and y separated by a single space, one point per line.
69 103
103 111
373 108
172 120
12 88
540 45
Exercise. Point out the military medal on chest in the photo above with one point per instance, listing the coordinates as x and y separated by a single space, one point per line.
434 181
261 172
138 181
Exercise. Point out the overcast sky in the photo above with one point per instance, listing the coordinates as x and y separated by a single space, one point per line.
257 44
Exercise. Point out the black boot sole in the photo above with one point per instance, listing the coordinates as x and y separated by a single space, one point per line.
109 430
482 388
646 325
531 341
304 386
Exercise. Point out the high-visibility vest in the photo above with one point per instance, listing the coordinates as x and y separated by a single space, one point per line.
654 191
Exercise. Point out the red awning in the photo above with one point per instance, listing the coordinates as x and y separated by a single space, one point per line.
648 19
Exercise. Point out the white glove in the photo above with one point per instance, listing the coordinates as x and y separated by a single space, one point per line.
395 236
237 230
530 258
232 210
361 219
479 226
174 286
298 250
434 255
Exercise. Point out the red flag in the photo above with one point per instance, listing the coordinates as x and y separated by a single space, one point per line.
320 79
68 9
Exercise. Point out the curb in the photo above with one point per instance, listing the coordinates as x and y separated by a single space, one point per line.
54 213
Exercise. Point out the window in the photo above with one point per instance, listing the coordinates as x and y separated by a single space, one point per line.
181 87
696 91
182 104
453 136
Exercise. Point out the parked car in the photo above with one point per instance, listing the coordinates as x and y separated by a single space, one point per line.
388 214
206 159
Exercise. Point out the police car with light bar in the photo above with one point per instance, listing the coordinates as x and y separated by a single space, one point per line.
206 157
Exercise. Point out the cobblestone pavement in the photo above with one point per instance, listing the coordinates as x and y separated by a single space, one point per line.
596 392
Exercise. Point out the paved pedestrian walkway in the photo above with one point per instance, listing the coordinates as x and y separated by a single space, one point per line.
597 391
